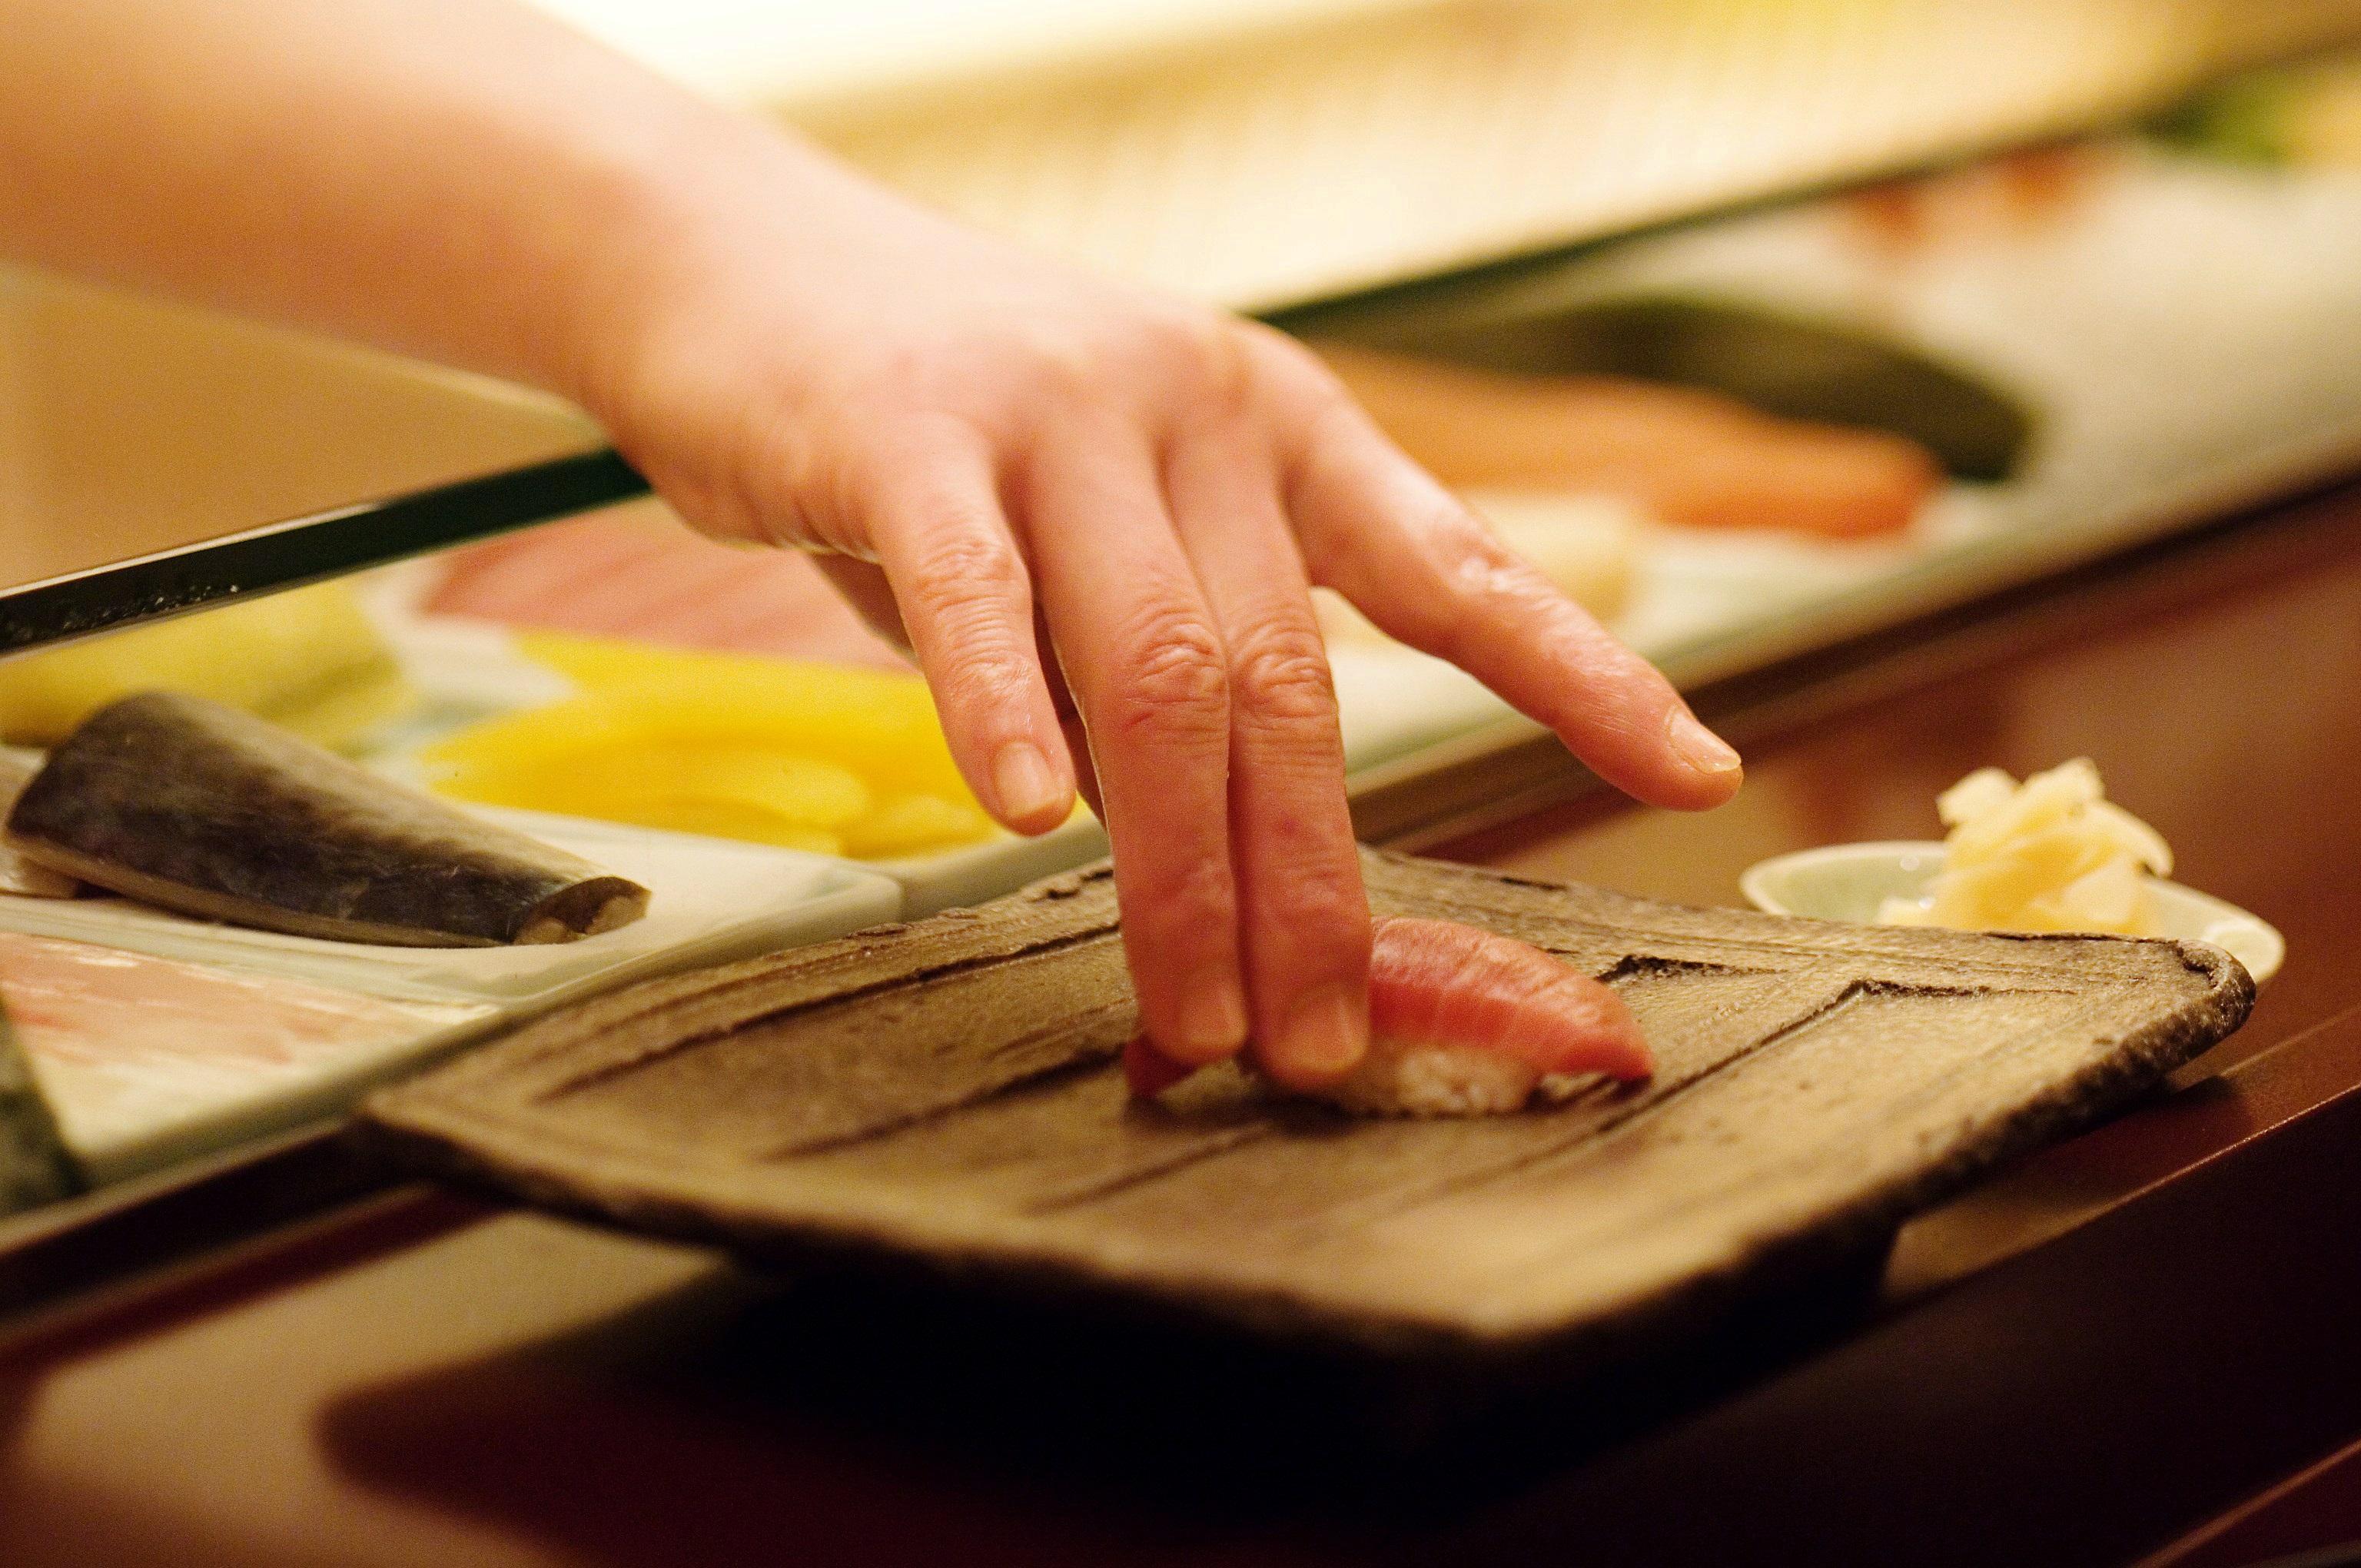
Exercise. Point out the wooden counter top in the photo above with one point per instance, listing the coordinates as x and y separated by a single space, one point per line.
2137 1344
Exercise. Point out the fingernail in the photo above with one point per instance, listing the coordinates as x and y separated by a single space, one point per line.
1698 747
1212 1017
1022 779
1325 1035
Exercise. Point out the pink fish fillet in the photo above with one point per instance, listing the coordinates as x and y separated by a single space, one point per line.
76 1003
1462 1022
637 576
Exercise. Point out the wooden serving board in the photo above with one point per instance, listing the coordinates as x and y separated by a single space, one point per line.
947 1095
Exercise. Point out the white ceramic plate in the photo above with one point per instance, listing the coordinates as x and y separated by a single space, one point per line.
1847 881
137 1108
714 900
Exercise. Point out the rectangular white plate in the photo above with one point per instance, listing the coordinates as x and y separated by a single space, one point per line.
713 900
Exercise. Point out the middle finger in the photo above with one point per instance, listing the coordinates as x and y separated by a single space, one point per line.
1145 661
1303 916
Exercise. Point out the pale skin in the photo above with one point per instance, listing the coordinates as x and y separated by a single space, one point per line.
1093 512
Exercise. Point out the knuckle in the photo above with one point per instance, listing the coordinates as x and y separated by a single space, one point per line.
1279 674
1203 352
768 495
1462 570
1174 681
1192 907
1288 367
980 697
966 571
1330 426
1184 336
968 599
1450 536
1064 378
1202 898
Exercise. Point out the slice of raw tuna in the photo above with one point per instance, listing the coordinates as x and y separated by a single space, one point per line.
1462 1022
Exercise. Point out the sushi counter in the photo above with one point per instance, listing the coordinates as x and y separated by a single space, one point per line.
518 1045
2135 1347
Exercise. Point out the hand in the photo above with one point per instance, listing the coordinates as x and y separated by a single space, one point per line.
1094 515
1019 467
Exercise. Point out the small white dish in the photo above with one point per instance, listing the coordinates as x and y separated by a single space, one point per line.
1849 881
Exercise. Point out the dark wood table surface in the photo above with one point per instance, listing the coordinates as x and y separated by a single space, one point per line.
2137 1347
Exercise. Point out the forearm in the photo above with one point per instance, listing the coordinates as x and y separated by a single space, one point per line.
460 178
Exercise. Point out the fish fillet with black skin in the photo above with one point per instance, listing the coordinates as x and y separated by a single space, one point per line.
18 875
184 803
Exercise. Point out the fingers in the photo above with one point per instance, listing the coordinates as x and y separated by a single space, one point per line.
1070 720
1302 915
1148 1072
961 588
871 594
1381 532
1146 663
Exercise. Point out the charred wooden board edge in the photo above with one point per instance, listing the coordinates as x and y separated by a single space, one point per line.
426 1125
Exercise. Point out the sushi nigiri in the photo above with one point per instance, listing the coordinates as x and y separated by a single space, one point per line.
1461 1023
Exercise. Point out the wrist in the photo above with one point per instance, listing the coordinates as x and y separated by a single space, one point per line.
677 219
612 253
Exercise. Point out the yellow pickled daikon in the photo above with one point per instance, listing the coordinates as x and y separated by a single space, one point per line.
307 660
783 752
2049 854
915 825
730 791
